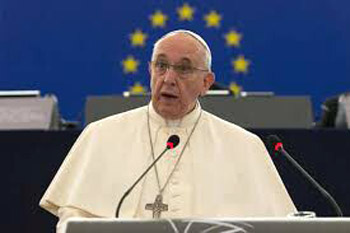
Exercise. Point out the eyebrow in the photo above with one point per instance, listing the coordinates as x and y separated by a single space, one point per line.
160 56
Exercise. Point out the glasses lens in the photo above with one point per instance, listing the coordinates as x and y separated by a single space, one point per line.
161 66
183 69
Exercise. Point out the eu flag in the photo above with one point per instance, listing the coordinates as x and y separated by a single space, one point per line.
77 48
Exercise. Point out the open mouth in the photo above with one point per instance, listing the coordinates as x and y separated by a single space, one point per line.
168 96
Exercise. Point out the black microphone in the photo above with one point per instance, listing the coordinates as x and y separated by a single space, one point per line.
173 141
277 147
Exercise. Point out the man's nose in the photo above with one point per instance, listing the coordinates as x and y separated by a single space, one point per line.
170 76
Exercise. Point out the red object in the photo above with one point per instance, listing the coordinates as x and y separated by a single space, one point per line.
170 145
278 146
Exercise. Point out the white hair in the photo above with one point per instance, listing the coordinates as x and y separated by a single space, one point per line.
193 35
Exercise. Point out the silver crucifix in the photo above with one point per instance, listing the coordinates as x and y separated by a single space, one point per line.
157 207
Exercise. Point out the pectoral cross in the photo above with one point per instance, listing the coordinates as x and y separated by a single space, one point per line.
157 207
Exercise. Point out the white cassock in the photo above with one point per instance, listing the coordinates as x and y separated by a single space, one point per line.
225 171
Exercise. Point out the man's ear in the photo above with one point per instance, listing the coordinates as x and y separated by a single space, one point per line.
208 81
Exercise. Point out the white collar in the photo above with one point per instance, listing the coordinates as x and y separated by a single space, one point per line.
188 120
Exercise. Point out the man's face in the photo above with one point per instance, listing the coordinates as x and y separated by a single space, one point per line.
174 94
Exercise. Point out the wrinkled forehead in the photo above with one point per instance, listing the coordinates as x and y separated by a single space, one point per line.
180 47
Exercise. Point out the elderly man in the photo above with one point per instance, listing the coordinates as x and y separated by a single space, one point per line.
218 169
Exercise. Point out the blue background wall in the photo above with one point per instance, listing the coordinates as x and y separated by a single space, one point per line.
74 48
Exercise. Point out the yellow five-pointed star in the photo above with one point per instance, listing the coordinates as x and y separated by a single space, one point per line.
130 64
240 65
185 12
213 19
233 38
138 38
137 88
235 88
158 19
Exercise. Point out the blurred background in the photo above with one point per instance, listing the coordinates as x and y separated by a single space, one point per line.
74 49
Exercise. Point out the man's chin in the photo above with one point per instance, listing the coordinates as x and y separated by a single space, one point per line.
168 100
169 112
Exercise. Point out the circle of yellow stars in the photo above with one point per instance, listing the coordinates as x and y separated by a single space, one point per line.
186 12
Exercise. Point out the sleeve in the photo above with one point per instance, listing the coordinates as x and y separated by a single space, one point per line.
271 184
58 193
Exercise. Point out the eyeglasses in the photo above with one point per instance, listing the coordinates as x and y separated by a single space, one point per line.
161 67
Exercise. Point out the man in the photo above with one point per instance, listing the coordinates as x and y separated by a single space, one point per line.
218 169
336 112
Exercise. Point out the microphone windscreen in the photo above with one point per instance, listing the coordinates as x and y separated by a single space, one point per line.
273 139
271 142
173 141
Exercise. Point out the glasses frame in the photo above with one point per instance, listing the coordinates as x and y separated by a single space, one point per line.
176 69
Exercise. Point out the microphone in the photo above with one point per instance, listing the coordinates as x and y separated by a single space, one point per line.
277 146
173 141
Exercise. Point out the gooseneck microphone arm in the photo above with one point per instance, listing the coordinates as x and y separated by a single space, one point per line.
278 146
173 141
137 181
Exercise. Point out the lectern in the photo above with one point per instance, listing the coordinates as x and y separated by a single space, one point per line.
211 225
